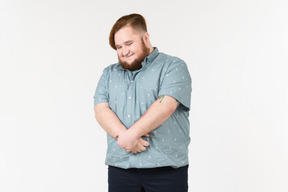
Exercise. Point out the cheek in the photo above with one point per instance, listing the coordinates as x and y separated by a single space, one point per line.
136 50
118 53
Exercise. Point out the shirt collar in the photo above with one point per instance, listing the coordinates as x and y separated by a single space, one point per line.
150 58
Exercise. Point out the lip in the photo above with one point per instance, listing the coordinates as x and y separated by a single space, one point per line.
129 56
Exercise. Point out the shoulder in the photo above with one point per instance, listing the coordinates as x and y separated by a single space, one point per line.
170 60
112 67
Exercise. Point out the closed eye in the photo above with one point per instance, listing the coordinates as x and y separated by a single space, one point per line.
128 43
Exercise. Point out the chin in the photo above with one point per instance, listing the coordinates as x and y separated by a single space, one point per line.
128 62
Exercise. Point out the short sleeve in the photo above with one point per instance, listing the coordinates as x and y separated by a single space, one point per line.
101 93
177 83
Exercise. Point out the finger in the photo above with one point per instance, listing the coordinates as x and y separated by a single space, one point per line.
141 147
134 151
145 143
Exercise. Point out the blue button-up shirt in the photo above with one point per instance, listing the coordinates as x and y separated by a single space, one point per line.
131 93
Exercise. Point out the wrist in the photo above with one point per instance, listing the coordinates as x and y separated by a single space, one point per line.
121 132
133 134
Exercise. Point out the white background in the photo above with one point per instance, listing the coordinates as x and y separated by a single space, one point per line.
52 54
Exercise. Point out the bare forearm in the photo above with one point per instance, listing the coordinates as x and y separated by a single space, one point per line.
108 120
156 115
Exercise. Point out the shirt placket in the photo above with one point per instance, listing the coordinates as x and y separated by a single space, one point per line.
129 99
130 108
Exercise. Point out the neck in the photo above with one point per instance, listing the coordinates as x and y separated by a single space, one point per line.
151 49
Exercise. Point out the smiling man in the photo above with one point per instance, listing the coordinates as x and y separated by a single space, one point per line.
131 49
143 104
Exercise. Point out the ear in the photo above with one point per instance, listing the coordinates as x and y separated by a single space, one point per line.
146 37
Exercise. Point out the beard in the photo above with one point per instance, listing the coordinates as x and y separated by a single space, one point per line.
137 63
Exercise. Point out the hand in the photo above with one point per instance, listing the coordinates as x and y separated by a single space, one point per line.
128 142
141 145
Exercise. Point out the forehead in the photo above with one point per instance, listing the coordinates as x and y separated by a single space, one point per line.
126 33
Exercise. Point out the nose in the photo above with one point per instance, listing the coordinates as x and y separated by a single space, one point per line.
125 51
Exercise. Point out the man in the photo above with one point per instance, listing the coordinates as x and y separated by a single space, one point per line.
143 104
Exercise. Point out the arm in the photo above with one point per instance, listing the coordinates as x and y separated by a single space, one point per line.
108 120
113 126
157 114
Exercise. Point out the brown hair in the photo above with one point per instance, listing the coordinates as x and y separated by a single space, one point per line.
135 20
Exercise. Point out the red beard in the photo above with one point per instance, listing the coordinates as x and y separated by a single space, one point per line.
137 63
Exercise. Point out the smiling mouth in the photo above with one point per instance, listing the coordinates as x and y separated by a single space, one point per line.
127 57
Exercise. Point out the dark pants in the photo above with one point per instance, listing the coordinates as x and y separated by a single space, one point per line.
163 179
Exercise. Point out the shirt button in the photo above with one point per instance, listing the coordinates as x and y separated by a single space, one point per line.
129 97
131 81
128 115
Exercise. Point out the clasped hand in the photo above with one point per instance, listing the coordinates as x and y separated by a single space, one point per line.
130 143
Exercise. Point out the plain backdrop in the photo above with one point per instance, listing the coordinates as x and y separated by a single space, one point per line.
52 54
